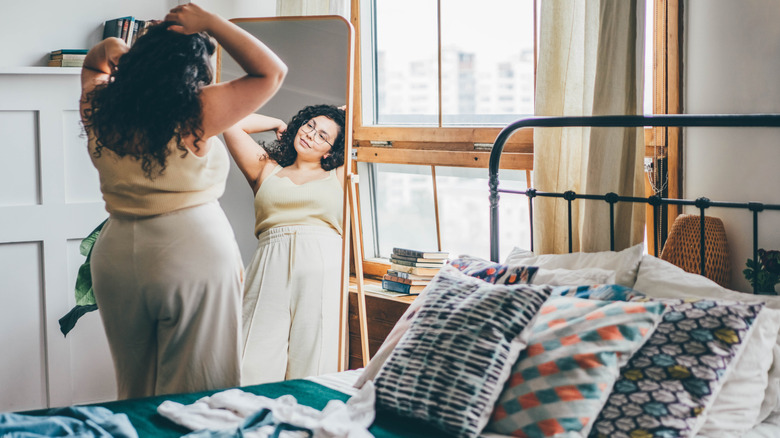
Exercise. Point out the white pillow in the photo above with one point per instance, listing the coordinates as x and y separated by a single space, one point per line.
660 279
625 263
736 409
573 277
769 407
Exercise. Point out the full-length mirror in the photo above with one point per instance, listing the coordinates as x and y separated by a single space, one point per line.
291 222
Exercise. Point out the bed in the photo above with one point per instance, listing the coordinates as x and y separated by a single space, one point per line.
612 344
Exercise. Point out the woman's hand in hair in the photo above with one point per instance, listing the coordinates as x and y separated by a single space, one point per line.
281 129
189 18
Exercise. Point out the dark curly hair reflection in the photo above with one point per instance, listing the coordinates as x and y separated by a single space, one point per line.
152 97
283 151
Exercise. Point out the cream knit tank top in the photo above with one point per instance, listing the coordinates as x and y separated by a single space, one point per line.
186 182
280 202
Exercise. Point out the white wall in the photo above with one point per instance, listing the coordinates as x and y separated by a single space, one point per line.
732 65
32 29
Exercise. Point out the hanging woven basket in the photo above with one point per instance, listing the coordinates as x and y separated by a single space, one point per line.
683 247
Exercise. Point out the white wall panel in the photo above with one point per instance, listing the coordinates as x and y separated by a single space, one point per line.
81 177
21 327
19 172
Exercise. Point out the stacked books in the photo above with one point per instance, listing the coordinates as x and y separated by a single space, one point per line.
125 28
411 270
67 57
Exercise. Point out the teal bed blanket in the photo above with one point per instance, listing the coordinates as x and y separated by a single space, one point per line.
148 423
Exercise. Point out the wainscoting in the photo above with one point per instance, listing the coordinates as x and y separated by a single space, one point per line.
49 201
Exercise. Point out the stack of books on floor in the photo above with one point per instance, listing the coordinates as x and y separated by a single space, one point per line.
125 28
411 270
67 57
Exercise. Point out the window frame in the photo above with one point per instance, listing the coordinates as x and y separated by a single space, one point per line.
460 147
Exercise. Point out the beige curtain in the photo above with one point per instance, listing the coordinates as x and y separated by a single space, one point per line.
312 7
591 62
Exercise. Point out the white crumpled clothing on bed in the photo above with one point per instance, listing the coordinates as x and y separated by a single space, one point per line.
229 409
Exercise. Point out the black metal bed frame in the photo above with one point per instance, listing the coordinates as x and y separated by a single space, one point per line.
656 201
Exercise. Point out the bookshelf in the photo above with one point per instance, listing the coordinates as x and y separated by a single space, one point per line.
40 70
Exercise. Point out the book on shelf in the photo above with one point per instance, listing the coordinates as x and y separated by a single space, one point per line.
398 261
409 281
125 28
418 259
414 269
408 275
112 28
402 288
67 58
421 254
65 63
377 289
69 52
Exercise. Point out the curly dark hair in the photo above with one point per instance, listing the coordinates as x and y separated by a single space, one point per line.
283 151
152 97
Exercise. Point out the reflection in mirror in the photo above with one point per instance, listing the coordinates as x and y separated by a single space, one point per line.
289 219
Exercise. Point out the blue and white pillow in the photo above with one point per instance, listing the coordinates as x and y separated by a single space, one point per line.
494 272
450 366
606 292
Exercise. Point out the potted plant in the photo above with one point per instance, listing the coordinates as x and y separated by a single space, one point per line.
764 273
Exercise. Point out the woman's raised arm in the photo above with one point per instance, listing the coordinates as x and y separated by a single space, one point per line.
226 103
100 62
249 156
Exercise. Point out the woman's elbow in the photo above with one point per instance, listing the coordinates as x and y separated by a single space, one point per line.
281 73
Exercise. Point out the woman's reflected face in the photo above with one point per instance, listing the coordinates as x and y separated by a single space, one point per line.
316 136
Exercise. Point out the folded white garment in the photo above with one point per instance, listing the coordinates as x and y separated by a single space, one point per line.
229 409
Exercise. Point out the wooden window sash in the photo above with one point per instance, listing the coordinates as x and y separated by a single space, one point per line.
667 99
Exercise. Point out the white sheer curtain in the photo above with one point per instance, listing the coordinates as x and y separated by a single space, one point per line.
591 61
312 7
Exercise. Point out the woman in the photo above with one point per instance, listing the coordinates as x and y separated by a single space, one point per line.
166 269
291 293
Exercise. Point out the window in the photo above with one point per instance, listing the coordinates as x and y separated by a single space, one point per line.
413 206
433 89
421 74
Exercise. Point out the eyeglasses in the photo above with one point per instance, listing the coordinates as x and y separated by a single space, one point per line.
320 137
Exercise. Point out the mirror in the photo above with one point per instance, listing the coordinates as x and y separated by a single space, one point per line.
318 54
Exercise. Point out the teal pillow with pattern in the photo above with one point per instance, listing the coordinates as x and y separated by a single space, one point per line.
562 379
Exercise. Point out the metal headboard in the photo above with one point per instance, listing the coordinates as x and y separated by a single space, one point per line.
671 120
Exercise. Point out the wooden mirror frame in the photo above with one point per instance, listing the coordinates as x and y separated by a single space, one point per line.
289 47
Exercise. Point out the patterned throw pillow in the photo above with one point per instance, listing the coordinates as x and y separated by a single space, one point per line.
675 376
494 272
472 266
606 292
451 364
561 381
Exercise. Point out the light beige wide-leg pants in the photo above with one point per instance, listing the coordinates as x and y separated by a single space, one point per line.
168 289
291 305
